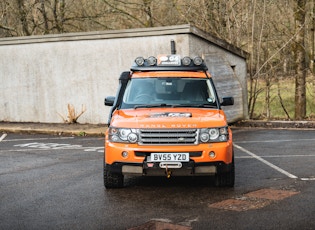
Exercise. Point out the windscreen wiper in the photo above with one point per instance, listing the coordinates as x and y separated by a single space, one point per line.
152 105
196 105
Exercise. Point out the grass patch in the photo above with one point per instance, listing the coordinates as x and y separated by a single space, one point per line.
282 101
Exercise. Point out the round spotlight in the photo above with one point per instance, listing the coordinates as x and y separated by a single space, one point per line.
198 60
124 154
186 61
152 61
212 154
139 61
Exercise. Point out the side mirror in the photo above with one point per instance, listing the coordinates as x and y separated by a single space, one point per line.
109 101
227 101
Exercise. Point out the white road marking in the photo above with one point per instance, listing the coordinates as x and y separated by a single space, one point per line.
43 138
272 141
311 178
266 162
54 146
49 145
85 149
2 137
278 156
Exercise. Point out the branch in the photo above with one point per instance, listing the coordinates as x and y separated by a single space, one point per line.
281 48
125 13
7 28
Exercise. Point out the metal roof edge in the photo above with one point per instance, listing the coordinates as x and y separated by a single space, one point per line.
219 42
95 35
126 33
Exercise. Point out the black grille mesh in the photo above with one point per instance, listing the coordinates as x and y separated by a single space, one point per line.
168 137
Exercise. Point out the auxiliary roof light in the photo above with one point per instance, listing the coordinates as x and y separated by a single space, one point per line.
197 60
186 61
152 60
168 62
139 61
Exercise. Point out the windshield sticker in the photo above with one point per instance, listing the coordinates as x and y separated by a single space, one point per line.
157 115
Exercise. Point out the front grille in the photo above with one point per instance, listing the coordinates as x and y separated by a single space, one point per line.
168 137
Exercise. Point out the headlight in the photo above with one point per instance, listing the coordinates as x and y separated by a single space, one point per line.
123 135
214 135
204 137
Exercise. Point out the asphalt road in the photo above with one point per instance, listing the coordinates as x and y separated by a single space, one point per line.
53 182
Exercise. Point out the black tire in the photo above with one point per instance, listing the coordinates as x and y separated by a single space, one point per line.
113 180
226 179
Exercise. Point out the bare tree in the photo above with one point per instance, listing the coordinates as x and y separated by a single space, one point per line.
7 28
277 34
300 79
313 46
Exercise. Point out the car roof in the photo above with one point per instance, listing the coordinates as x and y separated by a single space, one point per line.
175 74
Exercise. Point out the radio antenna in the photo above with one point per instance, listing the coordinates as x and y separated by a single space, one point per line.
173 48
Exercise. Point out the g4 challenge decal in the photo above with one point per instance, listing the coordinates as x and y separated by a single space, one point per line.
158 115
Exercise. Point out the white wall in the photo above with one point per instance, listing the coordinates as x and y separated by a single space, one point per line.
41 75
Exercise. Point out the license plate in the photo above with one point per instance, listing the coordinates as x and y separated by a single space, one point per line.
174 157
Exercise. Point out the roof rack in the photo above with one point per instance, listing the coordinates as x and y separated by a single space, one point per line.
171 62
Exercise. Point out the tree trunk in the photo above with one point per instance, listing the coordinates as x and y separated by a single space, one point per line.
23 17
267 97
300 59
313 50
43 11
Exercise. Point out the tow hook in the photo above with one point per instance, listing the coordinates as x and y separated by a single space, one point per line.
168 172
168 166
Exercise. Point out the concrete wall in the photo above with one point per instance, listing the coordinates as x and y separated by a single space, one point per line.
228 71
41 75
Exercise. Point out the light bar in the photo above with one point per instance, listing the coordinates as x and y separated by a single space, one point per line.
169 62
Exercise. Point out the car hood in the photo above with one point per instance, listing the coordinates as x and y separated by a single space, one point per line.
168 118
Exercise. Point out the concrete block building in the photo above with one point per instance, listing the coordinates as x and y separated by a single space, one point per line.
41 75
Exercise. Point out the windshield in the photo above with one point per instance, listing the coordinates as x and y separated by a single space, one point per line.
173 92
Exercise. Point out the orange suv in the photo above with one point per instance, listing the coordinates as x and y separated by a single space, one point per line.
166 119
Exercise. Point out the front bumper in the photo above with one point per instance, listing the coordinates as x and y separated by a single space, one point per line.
198 153
190 168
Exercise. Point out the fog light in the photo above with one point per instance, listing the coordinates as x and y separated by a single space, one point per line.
212 154
124 154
